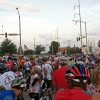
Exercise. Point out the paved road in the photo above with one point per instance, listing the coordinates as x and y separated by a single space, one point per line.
26 96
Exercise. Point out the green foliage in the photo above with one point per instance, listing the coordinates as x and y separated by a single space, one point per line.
39 49
29 52
21 50
73 50
54 47
8 47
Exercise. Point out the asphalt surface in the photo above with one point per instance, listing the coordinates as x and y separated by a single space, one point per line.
26 96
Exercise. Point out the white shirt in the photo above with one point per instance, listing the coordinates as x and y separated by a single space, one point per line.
49 71
36 87
6 79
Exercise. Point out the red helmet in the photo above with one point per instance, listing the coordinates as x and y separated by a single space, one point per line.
78 73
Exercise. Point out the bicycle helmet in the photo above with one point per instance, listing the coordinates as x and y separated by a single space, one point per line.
63 62
19 83
78 73
3 68
38 67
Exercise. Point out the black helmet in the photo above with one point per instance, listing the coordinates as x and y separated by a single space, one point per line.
19 83
3 68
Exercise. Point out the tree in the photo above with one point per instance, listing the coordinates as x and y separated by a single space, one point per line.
54 47
73 50
8 47
99 43
39 49
21 50
29 52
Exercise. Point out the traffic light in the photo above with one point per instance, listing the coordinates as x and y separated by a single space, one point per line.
5 35
78 39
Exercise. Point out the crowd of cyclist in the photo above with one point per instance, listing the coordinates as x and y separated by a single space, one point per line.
75 77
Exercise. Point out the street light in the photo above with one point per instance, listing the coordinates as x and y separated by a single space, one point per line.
85 31
85 28
20 48
79 13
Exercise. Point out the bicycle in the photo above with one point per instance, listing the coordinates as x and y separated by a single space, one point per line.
46 94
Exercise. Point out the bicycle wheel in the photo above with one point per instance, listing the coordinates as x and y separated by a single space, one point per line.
44 98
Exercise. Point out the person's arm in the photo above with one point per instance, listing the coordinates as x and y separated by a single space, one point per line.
45 72
2 88
53 80
35 80
96 96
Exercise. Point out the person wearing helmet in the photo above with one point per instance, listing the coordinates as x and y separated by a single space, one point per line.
18 85
59 80
35 83
77 78
6 76
47 73
27 66
3 68
15 94
6 79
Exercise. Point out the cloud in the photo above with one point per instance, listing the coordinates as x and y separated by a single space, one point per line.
45 36
8 9
93 34
3 10
3 2
29 8
9 5
96 9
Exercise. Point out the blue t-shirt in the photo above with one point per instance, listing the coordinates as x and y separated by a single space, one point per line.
7 95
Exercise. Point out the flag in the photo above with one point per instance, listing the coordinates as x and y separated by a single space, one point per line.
25 47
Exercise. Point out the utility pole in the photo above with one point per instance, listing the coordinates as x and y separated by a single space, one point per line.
19 31
34 45
58 40
85 31
2 29
51 44
69 43
80 24
79 20
86 34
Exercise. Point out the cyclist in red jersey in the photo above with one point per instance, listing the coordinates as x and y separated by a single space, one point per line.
77 78
59 80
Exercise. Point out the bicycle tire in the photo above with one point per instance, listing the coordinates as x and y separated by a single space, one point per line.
43 98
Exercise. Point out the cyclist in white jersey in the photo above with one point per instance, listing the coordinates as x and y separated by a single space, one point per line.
47 73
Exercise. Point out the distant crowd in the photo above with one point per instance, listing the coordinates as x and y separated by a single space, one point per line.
50 77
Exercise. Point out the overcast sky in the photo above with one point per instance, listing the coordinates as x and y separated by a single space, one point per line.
41 18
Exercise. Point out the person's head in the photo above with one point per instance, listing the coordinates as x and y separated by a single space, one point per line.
15 67
77 76
3 68
63 62
37 69
18 85
27 59
31 58
95 76
43 60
